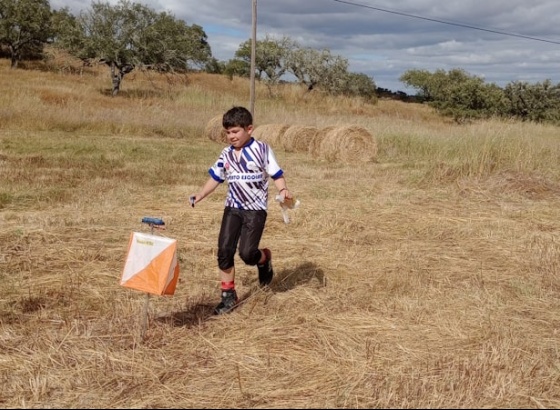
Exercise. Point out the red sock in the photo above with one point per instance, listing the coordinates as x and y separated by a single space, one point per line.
228 285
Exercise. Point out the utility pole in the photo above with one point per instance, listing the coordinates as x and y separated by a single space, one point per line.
253 59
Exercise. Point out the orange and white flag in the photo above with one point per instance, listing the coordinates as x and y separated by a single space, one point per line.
151 264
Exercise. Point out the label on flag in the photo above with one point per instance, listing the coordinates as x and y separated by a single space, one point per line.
151 264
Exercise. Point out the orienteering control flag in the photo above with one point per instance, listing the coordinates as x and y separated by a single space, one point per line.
151 264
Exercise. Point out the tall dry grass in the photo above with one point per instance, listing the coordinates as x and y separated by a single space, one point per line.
429 278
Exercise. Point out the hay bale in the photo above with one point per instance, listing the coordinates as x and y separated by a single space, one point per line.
271 134
298 137
349 144
317 139
215 131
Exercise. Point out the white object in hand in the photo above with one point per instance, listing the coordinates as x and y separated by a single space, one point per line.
285 205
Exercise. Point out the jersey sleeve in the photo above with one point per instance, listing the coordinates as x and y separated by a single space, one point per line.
272 167
217 171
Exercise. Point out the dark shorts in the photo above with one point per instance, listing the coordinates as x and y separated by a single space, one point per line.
243 228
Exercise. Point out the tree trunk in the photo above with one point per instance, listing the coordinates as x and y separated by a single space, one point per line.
116 78
14 57
14 63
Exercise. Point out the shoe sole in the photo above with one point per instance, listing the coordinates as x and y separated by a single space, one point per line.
224 311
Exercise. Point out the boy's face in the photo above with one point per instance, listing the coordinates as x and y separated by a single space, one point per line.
239 136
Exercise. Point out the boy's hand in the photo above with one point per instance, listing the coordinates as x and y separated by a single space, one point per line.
192 200
286 194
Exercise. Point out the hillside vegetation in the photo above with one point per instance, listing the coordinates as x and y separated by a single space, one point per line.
427 278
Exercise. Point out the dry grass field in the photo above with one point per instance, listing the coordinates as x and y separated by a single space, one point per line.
427 277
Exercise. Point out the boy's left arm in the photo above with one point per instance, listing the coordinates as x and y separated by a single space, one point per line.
282 188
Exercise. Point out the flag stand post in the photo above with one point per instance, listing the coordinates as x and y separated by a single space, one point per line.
144 327
153 223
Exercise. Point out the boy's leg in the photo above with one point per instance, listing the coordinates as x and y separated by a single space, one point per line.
265 268
251 233
229 296
227 244
227 276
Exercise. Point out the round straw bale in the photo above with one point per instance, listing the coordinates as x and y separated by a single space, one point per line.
271 134
297 138
315 141
214 130
349 143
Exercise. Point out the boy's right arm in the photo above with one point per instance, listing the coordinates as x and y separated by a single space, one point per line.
209 187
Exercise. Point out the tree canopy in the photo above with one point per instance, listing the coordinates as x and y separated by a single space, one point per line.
129 35
25 26
270 57
276 59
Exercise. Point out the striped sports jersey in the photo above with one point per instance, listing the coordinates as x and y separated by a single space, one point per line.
247 177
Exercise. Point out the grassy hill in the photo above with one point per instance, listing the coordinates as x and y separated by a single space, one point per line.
428 277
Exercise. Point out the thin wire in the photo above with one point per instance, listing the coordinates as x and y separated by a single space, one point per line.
447 22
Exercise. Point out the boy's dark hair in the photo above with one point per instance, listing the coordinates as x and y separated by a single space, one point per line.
237 117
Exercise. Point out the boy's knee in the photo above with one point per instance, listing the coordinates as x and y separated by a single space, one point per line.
225 259
251 258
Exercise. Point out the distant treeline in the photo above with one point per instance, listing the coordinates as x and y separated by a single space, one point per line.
462 96
386 94
128 36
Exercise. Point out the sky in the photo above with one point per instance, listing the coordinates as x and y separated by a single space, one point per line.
500 41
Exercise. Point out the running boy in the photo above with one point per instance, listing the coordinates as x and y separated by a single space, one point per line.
246 165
